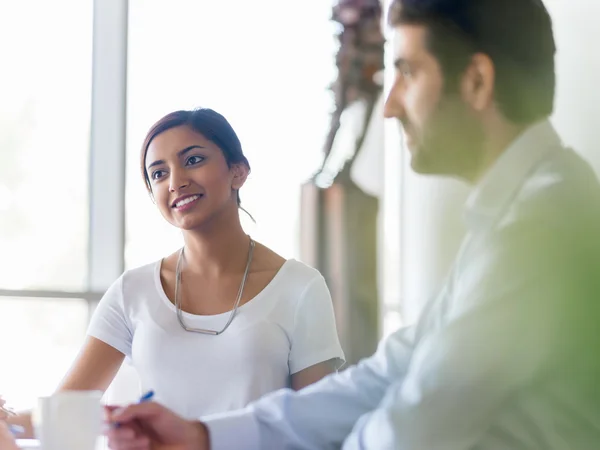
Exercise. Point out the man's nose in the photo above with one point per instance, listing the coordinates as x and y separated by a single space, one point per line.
393 104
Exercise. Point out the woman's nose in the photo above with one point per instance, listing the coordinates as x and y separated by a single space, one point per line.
178 181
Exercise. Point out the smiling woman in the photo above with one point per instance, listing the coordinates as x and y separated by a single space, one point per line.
188 146
223 301
264 309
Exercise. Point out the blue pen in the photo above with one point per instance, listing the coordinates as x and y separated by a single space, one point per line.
16 429
144 398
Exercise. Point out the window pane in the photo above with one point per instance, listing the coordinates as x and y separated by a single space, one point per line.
392 321
44 133
40 338
269 76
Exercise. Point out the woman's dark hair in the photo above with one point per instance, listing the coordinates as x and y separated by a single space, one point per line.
516 35
210 124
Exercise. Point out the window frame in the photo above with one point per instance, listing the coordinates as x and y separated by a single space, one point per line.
106 201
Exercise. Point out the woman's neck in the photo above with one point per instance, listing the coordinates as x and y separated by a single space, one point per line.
223 248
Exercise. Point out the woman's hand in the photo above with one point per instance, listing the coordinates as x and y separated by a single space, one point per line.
7 442
22 420
4 412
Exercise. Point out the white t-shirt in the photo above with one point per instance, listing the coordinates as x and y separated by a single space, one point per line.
286 328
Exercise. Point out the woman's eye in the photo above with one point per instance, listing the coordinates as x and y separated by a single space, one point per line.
194 160
157 174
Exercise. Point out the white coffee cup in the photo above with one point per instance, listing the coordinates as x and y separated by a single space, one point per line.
28 444
69 420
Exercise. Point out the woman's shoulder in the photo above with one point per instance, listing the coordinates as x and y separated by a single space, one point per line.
300 272
290 271
297 280
143 272
140 279
134 287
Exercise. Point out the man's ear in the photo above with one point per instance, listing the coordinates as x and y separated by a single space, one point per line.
240 175
477 85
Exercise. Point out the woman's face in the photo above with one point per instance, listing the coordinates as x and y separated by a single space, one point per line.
190 179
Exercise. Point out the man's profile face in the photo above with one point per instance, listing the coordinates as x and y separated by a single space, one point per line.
440 130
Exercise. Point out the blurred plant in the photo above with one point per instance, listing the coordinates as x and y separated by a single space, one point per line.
359 60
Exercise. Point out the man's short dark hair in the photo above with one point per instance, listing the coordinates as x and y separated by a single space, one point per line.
516 35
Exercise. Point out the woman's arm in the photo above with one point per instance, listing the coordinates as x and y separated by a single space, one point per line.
7 442
94 368
312 374
315 347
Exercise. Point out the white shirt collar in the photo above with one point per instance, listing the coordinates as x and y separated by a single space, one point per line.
499 185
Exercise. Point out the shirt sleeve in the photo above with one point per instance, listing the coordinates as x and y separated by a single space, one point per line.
502 331
314 337
110 323
320 415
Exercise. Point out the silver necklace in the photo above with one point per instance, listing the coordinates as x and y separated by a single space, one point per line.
237 301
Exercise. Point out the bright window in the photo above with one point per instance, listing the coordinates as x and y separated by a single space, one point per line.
39 343
45 87
45 92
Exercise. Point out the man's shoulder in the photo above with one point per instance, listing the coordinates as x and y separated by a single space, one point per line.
548 230
562 192
554 218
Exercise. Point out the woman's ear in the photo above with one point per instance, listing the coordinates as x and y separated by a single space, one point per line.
240 175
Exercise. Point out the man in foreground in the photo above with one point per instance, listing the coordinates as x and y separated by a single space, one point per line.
504 357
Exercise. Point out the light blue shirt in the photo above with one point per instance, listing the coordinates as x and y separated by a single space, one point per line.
487 366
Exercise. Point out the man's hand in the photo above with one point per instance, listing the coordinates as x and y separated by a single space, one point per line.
152 426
